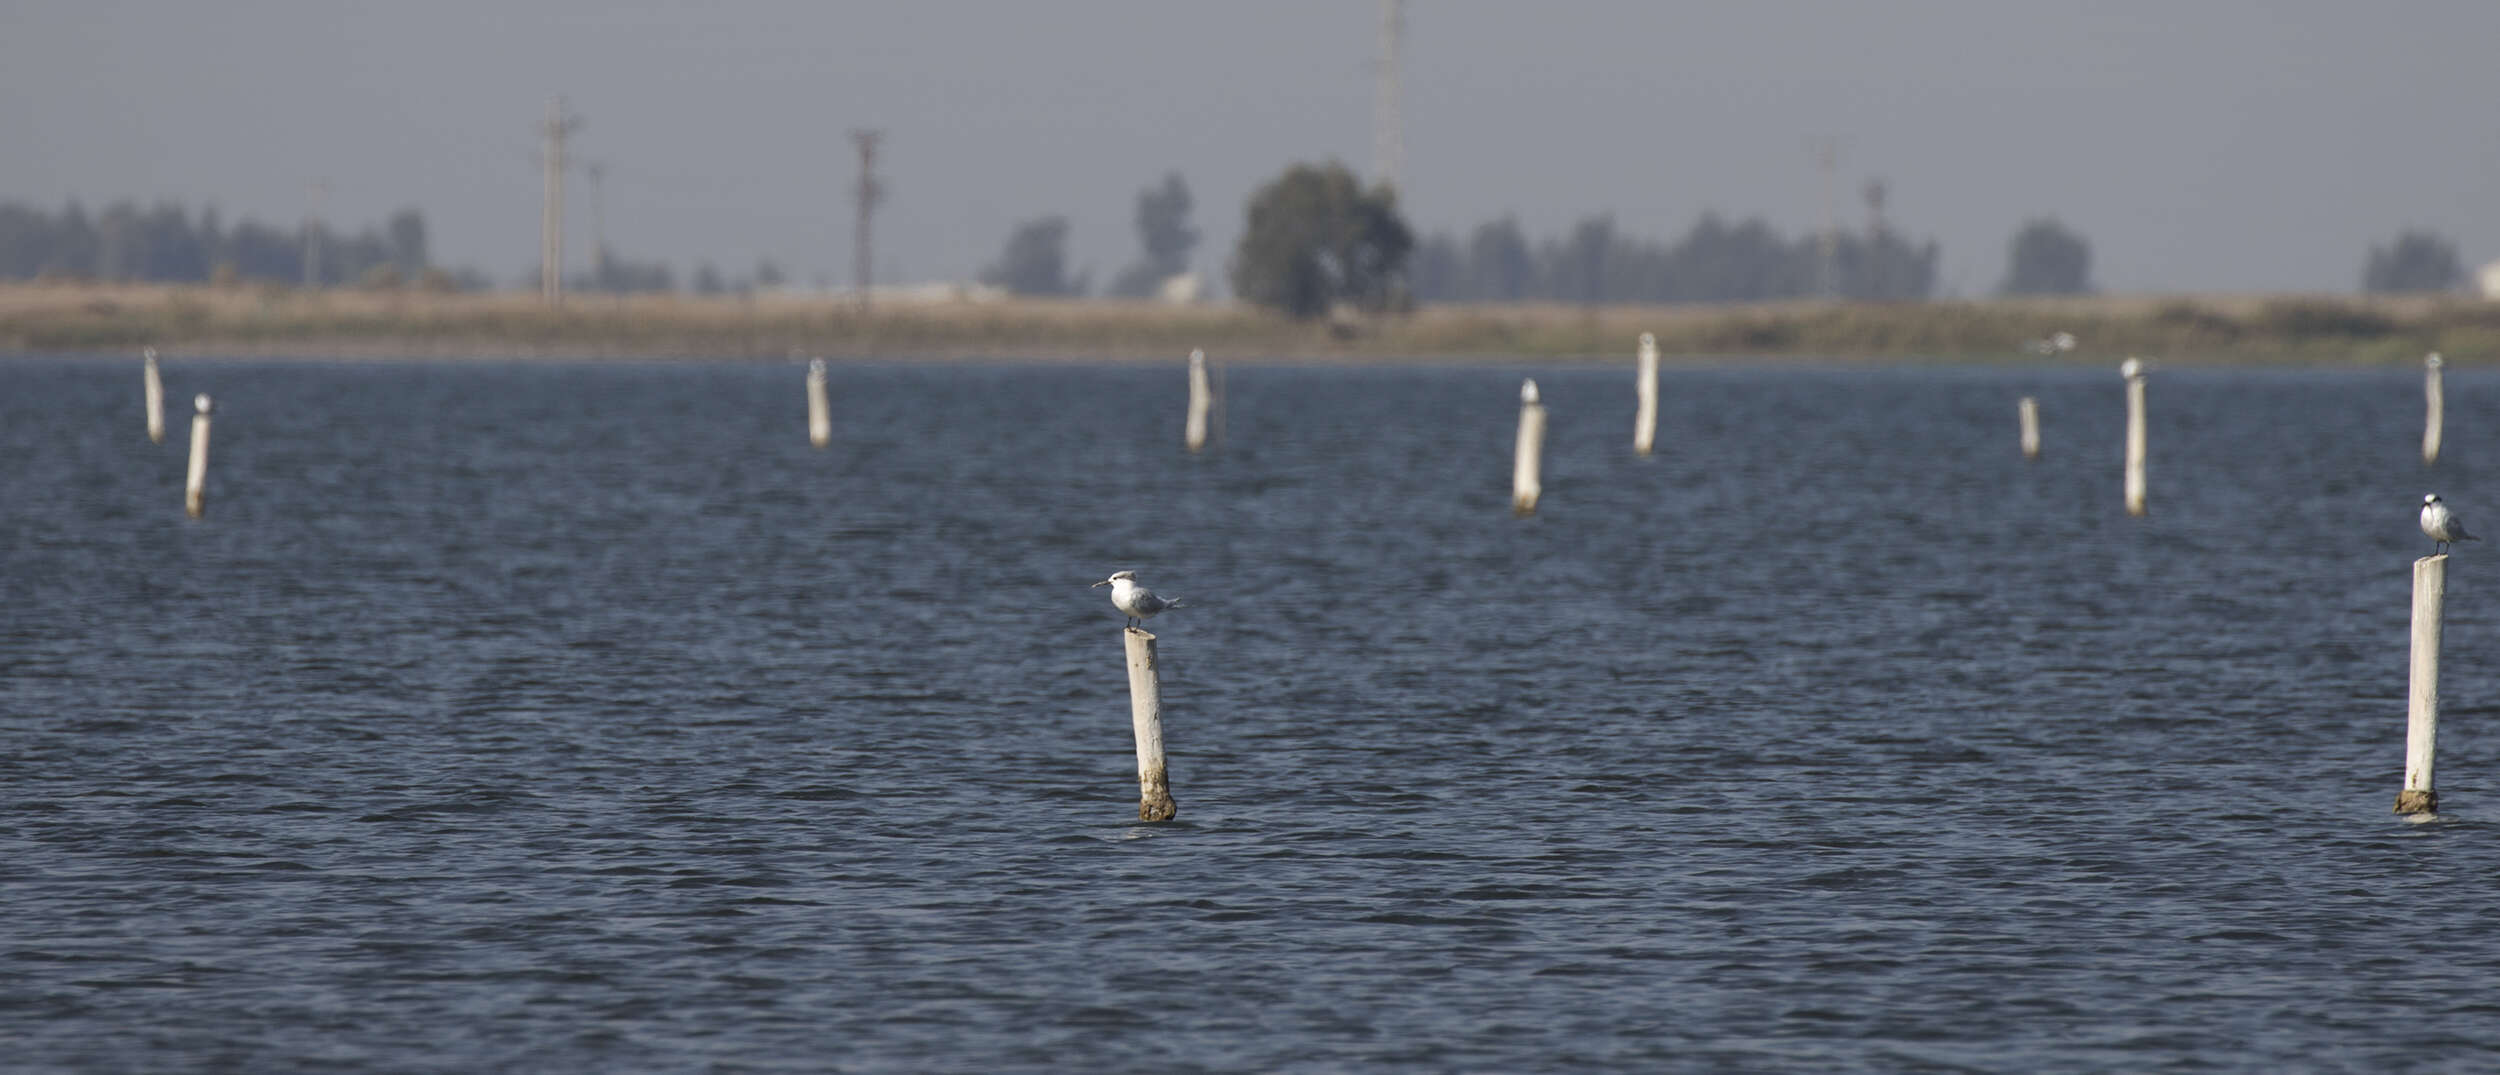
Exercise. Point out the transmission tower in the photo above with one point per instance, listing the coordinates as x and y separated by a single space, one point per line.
868 193
1388 139
551 214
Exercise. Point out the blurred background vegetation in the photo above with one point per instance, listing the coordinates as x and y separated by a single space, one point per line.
1326 266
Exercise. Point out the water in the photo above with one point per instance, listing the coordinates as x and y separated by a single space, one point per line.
575 717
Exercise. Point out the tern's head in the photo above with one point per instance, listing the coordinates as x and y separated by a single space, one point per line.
2429 499
1117 576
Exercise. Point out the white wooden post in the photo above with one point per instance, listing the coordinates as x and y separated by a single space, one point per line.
195 488
819 416
1645 384
2432 397
1145 703
155 385
1201 397
1528 460
2133 371
2029 410
2430 589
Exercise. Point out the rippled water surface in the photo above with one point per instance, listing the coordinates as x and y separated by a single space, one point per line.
582 717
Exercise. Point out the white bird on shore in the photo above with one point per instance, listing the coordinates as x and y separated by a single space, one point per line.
1136 601
2442 525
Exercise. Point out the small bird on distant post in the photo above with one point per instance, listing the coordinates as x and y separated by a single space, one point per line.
1136 601
2442 525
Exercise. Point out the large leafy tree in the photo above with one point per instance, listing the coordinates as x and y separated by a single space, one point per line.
1164 234
1035 261
1315 237
2046 259
2417 261
407 241
1579 268
1499 266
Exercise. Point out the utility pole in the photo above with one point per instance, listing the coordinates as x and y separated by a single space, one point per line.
312 232
598 229
1874 193
551 214
1388 135
869 193
1827 247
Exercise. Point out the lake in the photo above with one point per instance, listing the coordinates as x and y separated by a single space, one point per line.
572 717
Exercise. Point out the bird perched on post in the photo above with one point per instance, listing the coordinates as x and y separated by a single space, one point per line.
2442 525
1136 601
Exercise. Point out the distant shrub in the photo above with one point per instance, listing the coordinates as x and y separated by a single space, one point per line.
2416 261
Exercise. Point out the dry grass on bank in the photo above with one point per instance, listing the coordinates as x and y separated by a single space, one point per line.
283 321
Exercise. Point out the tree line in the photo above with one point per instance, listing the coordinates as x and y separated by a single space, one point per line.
1713 261
167 243
1314 239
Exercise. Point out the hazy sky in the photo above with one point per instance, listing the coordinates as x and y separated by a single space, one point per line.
2218 145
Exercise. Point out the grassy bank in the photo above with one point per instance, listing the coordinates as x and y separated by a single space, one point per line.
280 321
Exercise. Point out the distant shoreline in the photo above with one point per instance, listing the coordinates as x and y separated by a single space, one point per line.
275 322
